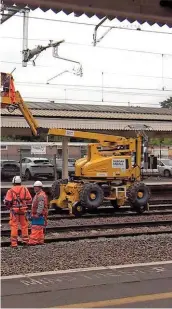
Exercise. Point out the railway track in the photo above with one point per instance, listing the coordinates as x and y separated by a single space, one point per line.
103 215
106 230
160 209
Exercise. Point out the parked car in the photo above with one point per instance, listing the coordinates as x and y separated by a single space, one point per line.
37 167
72 161
9 169
165 167
71 167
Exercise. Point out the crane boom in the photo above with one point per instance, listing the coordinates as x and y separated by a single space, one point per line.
101 138
12 99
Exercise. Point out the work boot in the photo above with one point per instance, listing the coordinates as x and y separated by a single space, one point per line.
23 243
14 246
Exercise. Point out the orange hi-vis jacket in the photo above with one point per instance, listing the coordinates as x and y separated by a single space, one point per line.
18 198
40 204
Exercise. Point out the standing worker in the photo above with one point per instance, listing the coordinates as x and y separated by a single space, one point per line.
39 214
17 200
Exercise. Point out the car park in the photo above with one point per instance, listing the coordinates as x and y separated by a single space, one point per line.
33 167
71 167
165 167
9 169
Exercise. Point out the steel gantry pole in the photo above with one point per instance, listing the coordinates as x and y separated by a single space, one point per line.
25 36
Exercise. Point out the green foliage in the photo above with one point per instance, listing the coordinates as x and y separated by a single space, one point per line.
167 103
12 139
41 138
164 141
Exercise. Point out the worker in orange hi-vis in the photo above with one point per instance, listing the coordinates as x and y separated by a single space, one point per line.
12 91
39 215
17 200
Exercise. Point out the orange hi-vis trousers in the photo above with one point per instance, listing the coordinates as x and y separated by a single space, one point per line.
37 235
17 219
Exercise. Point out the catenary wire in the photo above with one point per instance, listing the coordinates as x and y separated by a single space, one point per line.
95 70
29 83
93 24
106 47
90 101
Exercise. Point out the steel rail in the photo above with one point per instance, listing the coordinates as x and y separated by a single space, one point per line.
159 209
104 215
99 226
6 243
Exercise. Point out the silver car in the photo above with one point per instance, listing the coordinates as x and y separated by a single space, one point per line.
165 167
71 167
37 167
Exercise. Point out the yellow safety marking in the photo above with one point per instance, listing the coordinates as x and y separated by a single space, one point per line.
120 301
79 208
140 194
92 196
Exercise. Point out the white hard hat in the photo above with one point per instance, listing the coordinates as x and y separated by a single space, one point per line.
38 184
16 179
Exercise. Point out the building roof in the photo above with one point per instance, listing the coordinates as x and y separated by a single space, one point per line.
62 110
90 117
87 124
153 11
98 108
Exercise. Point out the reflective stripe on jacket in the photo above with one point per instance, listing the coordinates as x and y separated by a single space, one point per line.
18 197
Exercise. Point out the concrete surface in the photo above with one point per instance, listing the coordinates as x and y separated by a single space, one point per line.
48 184
137 285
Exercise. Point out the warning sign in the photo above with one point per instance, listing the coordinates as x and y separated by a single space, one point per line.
119 163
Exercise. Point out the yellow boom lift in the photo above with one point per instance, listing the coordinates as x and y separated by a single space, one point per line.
110 171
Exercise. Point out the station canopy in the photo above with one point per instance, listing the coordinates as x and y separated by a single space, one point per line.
150 11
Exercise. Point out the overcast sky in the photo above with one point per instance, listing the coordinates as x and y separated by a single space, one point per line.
128 76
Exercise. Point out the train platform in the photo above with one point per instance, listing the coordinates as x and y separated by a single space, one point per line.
124 286
48 184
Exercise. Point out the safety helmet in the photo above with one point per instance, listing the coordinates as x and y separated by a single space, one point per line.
38 184
16 179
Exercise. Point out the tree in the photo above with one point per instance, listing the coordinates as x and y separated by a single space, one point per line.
167 103
164 141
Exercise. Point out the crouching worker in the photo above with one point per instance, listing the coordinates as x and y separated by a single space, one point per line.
39 214
17 200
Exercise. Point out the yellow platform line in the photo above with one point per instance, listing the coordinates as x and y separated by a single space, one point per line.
120 301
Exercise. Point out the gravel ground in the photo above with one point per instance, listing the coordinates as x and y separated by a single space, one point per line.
98 220
57 256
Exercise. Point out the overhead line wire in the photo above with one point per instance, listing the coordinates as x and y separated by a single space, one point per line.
91 101
95 70
93 24
91 86
103 47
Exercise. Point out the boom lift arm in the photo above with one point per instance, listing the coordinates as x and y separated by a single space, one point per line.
12 100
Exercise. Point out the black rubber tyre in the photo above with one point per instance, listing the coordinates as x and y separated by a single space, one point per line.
115 205
78 210
28 175
57 210
91 195
55 188
167 173
139 204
